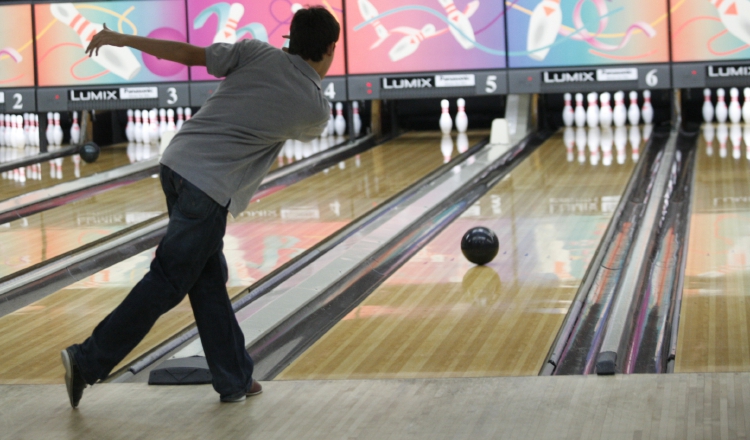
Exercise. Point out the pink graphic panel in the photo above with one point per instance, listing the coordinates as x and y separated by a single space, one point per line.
211 22
16 46
708 31
64 29
388 36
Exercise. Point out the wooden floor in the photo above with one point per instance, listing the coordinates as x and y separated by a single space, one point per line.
441 316
65 169
714 332
675 406
269 233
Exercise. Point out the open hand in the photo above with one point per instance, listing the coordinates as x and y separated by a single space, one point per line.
105 37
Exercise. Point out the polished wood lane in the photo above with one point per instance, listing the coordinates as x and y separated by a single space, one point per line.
271 231
715 316
68 168
441 316
48 234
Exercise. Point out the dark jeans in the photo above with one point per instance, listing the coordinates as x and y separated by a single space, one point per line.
189 260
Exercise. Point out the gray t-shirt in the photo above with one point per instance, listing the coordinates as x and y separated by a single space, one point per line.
267 97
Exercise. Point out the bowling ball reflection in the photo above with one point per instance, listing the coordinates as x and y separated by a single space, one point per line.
482 284
479 245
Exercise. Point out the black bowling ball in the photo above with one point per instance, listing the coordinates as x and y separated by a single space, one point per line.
479 245
89 152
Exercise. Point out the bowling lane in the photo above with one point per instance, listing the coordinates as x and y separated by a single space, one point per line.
70 226
441 316
714 327
65 169
269 233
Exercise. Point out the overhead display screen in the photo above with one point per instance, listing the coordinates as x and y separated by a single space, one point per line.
211 22
64 30
557 33
16 46
710 31
393 36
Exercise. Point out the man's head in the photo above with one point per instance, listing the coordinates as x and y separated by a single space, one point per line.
313 35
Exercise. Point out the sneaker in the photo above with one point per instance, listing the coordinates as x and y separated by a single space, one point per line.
254 390
74 380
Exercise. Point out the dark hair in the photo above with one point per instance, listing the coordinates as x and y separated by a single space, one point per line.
313 29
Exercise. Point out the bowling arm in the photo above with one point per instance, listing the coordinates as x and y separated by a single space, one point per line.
176 51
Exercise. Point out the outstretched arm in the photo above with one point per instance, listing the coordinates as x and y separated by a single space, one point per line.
176 51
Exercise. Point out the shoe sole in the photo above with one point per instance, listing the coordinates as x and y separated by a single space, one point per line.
68 364
242 398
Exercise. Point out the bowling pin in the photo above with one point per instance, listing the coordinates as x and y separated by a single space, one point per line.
446 123
619 113
735 111
605 111
569 139
634 113
340 123
36 130
735 16
26 129
180 119
57 133
138 127
708 107
735 136
130 126
331 123
647 111
621 141
75 130
2 131
446 147
460 27
170 121
50 129
635 141
118 60
606 144
580 113
154 134
356 119
162 121
228 32
567 111
145 127
721 107
188 113
544 25
410 43
368 12
746 138
746 105
592 112
462 121
722 133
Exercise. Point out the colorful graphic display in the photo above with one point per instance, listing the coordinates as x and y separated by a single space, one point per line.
211 22
64 30
557 33
16 48
388 36
707 31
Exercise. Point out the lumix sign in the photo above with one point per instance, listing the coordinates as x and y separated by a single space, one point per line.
425 82
728 71
95 95
123 93
581 76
